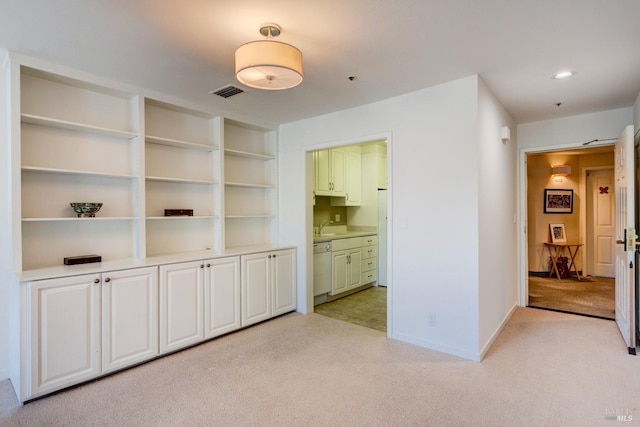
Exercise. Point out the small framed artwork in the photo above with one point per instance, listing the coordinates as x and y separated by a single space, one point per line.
557 233
558 201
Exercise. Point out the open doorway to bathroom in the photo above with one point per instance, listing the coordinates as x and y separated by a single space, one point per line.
350 244
582 281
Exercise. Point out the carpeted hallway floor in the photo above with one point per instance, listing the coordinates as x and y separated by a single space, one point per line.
365 308
590 296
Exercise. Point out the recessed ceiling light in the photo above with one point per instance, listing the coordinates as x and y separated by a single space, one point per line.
564 75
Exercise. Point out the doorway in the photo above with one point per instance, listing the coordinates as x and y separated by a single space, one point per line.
341 216
588 287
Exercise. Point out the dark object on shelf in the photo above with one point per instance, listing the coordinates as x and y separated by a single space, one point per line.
178 212
86 209
83 259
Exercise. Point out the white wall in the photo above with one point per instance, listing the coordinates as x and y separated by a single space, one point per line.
497 218
433 150
574 130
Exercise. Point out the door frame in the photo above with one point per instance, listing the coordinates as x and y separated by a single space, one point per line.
308 152
522 209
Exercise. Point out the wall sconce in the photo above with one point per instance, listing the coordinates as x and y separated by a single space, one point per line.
505 134
561 170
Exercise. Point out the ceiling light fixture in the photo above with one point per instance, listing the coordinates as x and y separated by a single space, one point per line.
268 64
564 75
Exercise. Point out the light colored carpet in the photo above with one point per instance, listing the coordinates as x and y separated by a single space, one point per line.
545 369
590 296
365 308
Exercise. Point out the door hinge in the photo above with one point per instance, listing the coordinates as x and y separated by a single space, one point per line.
631 264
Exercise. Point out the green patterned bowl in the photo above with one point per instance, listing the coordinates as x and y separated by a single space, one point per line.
86 209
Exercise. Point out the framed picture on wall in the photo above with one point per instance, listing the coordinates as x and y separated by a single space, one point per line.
558 234
558 201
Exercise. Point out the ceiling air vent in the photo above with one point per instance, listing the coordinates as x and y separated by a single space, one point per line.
227 91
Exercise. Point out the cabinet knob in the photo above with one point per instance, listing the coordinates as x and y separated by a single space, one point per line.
208 265
269 256
201 265
107 280
274 255
96 280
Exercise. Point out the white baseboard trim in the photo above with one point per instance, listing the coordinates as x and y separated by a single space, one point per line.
495 334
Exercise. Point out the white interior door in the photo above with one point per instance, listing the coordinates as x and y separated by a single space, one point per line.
601 228
625 247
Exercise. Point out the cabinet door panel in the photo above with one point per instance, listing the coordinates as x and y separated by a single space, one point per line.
338 173
323 175
283 282
256 298
222 296
355 268
339 267
65 332
181 321
129 317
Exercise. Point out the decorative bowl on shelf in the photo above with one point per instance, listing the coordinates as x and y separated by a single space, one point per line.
86 209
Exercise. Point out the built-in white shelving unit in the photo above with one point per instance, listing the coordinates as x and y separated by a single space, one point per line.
182 164
250 184
84 142
78 142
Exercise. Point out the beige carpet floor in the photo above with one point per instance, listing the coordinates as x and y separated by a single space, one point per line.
365 308
590 296
544 369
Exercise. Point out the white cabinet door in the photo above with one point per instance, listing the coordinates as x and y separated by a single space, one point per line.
221 296
354 268
129 317
340 273
65 332
256 295
181 305
353 171
338 178
322 167
283 281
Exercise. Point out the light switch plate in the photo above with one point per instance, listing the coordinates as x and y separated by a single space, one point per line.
337 217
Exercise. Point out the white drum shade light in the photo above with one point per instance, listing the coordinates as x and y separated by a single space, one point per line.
268 64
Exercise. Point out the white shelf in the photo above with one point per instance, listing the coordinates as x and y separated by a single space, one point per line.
238 153
248 216
180 180
40 169
113 218
80 127
246 185
179 143
181 217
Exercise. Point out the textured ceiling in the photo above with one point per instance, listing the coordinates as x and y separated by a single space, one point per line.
186 48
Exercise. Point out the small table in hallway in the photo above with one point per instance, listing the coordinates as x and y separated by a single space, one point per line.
556 250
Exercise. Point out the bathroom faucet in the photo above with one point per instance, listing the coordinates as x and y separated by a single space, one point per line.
322 225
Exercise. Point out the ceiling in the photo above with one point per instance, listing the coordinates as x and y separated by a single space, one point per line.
186 48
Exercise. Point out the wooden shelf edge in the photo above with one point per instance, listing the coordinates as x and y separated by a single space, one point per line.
66 219
247 154
64 124
179 143
57 171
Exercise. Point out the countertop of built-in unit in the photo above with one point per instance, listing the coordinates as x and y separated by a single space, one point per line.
334 235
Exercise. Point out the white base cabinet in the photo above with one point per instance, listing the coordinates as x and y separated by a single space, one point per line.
129 317
198 300
181 305
354 263
221 296
65 322
268 285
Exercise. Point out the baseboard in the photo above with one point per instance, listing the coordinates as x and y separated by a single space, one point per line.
546 273
495 334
